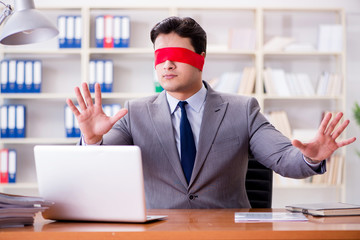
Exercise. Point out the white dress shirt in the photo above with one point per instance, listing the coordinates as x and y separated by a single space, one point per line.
194 112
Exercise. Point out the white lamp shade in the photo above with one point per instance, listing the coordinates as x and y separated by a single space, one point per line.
27 26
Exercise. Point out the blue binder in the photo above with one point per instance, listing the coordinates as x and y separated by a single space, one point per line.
100 31
70 32
78 32
68 122
108 76
29 77
62 31
20 76
20 124
4 75
12 77
37 76
125 31
12 162
11 121
117 31
4 121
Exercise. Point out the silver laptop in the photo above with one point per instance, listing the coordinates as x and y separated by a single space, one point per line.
92 183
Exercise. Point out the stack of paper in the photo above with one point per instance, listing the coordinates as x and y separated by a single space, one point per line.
18 211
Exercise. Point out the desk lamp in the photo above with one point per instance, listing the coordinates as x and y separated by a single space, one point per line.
26 25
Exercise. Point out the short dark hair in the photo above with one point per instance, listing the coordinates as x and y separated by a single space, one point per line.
184 27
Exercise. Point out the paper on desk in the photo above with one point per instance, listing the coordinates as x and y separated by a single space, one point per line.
268 217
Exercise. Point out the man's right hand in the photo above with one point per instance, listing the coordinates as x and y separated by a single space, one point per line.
93 122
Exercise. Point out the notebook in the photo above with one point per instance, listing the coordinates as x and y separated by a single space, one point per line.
326 209
92 183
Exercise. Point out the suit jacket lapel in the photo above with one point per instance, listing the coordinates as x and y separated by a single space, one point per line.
161 119
214 112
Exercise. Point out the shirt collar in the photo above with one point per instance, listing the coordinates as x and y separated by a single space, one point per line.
195 101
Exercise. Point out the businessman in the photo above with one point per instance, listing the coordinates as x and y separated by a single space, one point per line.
195 142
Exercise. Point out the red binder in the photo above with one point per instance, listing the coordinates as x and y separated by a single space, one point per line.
4 162
109 38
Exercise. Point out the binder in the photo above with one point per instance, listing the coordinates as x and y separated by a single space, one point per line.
69 122
100 72
20 76
62 31
117 31
115 109
12 160
12 76
37 76
99 31
4 121
76 129
107 110
28 76
70 31
108 76
78 32
92 75
4 156
20 121
4 76
125 31
11 121
109 40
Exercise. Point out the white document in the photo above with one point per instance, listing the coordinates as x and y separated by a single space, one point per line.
268 217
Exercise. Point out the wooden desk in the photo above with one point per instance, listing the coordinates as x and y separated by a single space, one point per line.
190 224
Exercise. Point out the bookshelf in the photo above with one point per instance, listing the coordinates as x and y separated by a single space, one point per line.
63 69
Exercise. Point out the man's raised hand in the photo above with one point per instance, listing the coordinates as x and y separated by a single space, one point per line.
93 122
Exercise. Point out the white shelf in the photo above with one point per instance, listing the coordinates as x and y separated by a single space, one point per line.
273 97
39 140
63 96
311 53
70 67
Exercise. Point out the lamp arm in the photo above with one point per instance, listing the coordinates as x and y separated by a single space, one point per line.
6 12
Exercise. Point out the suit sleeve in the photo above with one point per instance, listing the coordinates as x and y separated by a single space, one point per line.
273 149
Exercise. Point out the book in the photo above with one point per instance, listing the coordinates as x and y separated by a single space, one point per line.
326 209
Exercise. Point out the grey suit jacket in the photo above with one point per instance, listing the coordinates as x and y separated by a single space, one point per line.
232 128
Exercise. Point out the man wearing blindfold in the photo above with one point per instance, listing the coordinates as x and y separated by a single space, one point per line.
195 142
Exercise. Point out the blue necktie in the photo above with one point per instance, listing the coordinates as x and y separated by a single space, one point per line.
187 143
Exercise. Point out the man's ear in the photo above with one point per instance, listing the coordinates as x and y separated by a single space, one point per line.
203 54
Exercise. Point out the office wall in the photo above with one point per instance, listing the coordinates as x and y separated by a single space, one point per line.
352 8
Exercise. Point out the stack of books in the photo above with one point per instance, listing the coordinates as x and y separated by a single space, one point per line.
19 211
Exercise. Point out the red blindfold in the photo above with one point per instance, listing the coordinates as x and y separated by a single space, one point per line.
179 55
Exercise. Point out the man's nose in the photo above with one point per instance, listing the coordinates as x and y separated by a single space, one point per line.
169 65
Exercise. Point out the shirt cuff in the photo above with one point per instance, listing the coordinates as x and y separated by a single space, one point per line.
85 144
312 165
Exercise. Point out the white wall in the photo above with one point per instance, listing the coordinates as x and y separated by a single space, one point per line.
352 8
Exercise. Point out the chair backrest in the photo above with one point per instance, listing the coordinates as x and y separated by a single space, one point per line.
259 184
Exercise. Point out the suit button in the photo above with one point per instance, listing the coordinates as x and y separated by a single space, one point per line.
192 197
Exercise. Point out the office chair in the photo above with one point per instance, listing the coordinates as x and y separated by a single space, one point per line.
258 184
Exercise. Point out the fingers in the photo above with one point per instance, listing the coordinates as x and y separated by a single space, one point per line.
333 124
324 123
97 95
298 144
346 142
121 113
72 107
87 94
80 99
340 129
